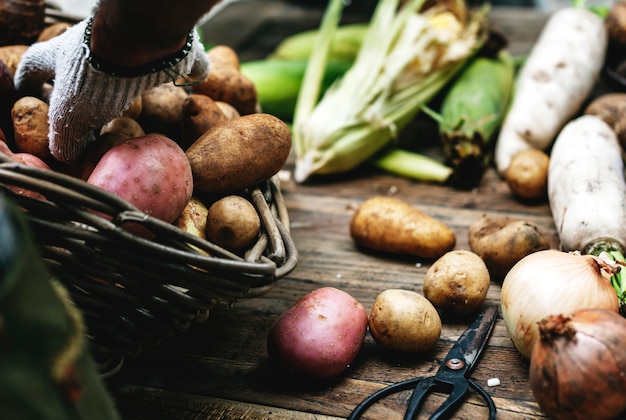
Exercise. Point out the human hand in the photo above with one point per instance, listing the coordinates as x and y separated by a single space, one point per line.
88 93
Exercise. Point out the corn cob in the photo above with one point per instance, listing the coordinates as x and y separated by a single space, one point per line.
406 58
278 82
471 113
344 46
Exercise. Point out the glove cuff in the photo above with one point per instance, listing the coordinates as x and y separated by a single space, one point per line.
153 67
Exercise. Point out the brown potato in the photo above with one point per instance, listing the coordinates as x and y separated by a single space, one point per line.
200 113
226 83
240 153
229 111
31 127
501 242
457 282
392 225
611 108
134 110
404 320
527 174
124 126
11 55
162 110
225 55
53 30
233 223
193 219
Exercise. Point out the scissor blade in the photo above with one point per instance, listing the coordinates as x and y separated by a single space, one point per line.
474 339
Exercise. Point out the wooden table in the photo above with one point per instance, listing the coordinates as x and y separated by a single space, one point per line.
220 369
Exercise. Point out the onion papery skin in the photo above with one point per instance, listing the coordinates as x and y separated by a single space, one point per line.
551 282
578 366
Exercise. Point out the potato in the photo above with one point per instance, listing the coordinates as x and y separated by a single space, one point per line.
151 172
233 223
229 111
240 153
226 83
200 113
134 110
457 282
527 175
31 127
124 126
611 108
502 241
53 30
11 55
162 110
24 159
225 55
392 225
320 335
403 320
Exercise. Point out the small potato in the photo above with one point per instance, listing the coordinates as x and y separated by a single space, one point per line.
226 83
224 55
238 154
53 30
457 282
124 126
134 110
193 218
320 335
200 113
611 108
392 225
404 320
31 127
501 242
162 110
233 223
229 111
527 175
11 55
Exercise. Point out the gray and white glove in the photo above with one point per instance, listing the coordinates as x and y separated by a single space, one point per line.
88 93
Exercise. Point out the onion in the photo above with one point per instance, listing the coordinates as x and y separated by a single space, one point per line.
552 282
578 366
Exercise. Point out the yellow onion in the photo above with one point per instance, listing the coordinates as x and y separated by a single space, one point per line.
553 282
578 365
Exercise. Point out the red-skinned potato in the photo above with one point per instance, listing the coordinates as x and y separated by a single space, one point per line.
151 172
320 335
24 159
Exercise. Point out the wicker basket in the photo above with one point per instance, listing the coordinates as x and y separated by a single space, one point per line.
135 292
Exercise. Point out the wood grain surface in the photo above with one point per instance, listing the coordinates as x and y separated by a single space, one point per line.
220 369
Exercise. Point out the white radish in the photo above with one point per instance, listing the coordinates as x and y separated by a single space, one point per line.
586 187
559 74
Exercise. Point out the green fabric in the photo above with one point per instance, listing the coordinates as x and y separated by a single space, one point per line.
39 330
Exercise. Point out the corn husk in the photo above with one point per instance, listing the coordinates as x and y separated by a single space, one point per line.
408 56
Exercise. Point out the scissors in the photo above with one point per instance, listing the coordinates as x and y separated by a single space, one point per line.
452 376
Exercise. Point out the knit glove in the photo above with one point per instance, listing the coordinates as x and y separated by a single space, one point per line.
88 93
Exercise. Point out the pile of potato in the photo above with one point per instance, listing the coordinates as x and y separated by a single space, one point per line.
183 154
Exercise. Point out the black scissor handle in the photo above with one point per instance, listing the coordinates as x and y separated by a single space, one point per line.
422 387
380 394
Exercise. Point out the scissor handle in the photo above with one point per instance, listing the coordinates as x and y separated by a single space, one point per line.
422 387
380 394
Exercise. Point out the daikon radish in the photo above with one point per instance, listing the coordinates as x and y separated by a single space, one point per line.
559 74
587 191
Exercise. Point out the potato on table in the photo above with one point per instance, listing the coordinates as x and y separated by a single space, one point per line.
392 225
502 241
457 282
